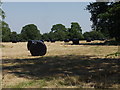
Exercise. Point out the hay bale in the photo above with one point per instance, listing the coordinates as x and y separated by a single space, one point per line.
47 40
75 41
92 39
14 41
66 40
52 41
29 44
38 48
88 40
32 41
42 40
102 39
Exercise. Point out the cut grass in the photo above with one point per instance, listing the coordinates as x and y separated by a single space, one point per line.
29 84
73 66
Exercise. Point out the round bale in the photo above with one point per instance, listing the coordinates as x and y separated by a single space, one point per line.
29 44
66 40
88 40
75 41
14 41
52 41
47 40
38 48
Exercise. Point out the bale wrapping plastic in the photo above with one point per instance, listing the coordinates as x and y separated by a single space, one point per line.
75 41
29 44
52 41
66 40
88 40
36 47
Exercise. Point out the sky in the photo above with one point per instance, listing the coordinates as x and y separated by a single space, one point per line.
46 14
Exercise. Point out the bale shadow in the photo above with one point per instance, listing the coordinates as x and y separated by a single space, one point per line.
103 72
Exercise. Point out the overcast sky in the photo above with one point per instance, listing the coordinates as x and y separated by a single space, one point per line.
46 14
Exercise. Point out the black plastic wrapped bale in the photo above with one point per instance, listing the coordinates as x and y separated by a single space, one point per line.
88 40
38 48
92 39
52 41
102 39
29 44
14 41
42 40
66 40
47 40
75 41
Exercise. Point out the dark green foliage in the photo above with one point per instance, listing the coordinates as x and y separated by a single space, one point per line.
15 36
105 17
112 42
59 31
2 13
30 32
6 32
45 36
75 31
96 35
95 9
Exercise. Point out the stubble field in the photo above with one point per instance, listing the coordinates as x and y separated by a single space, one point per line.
63 66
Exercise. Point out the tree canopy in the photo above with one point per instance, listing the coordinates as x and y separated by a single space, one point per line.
58 32
6 32
30 32
105 18
96 35
75 31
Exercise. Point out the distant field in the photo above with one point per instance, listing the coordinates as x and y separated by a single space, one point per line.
64 65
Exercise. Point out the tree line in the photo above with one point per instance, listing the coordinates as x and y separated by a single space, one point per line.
58 32
104 16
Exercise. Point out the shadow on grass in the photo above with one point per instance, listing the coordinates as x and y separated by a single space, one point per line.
103 72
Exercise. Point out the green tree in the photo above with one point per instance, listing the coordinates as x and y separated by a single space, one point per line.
95 9
59 31
93 35
2 13
52 36
6 32
30 32
105 18
75 31
14 36
112 20
45 36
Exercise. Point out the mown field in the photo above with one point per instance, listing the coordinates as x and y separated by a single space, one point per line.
63 66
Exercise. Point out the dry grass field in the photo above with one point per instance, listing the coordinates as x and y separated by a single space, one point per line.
63 66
